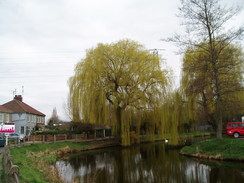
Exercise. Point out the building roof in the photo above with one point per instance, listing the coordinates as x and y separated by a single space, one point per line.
4 109
17 105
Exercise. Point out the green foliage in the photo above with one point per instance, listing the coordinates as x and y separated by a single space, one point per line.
199 84
195 134
118 84
212 66
228 148
38 132
79 127
48 132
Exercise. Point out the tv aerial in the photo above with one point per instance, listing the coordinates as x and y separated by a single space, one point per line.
155 51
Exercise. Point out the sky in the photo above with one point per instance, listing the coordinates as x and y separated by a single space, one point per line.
41 41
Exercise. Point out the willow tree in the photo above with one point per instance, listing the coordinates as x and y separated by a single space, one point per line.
205 22
114 82
199 85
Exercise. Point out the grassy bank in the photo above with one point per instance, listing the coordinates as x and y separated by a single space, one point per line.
36 161
225 149
145 138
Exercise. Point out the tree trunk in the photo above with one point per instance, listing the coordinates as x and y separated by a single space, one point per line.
119 121
219 119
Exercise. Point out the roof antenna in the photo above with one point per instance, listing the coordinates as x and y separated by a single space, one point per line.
155 51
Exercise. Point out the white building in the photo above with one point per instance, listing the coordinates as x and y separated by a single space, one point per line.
25 117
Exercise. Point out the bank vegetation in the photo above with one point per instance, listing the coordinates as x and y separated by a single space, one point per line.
224 149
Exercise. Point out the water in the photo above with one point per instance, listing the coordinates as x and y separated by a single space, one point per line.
147 163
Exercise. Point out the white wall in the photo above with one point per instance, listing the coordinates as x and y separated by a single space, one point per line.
24 119
20 119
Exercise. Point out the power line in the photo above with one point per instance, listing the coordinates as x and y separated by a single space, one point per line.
13 58
44 76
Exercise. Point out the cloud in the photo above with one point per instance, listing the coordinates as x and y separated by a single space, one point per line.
42 40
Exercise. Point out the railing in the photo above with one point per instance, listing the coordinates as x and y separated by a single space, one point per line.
11 170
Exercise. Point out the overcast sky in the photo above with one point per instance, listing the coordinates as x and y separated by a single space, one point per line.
42 40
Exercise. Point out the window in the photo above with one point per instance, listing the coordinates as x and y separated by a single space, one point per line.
27 131
1 117
22 130
234 125
7 118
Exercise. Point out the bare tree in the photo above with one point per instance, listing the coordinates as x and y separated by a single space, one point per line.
205 22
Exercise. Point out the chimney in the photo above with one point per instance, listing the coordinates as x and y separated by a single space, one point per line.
18 97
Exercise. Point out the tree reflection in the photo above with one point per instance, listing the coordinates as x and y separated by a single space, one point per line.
149 163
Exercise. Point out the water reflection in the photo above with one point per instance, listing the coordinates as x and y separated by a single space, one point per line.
149 163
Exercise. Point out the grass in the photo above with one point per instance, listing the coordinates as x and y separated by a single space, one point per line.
227 148
195 134
168 136
35 161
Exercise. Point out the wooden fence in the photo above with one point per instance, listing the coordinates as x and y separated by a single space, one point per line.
67 137
59 137
11 170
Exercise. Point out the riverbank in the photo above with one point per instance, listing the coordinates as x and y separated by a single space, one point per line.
225 149
36 161
181 136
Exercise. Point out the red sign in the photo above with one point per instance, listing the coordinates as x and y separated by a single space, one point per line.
7 128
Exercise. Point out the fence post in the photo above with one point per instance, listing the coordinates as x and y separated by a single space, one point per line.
54 138
34 139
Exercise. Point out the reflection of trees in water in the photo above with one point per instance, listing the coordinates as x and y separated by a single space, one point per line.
226 174
83 161
150 163
156 165
92 167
